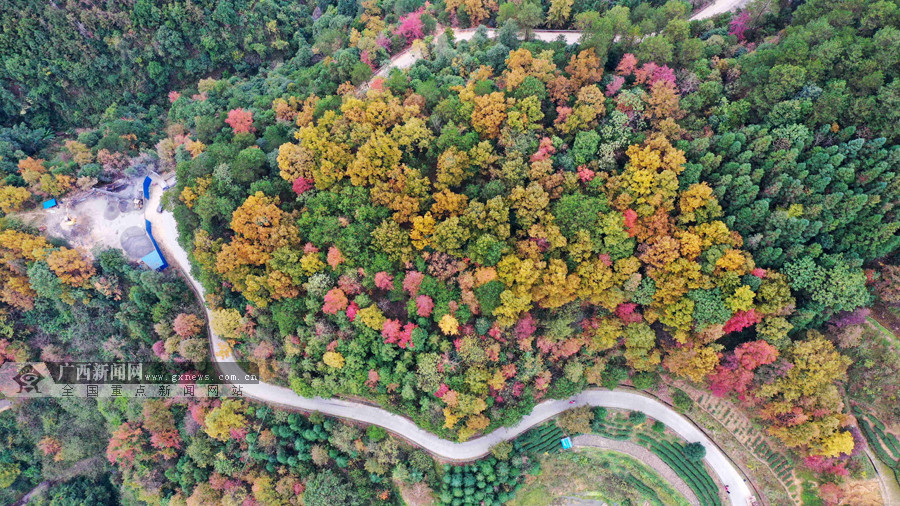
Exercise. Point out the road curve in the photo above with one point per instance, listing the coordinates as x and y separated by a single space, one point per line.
642 455
166 234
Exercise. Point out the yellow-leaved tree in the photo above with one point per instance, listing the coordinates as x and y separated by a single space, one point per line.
224 419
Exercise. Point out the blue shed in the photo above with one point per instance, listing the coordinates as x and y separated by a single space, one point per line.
50 203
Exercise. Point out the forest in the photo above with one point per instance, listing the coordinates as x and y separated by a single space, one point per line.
508 220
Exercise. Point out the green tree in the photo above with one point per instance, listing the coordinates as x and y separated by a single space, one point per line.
655 48
527 15
597 32
328 487
249 165
9 471
81 491
694 451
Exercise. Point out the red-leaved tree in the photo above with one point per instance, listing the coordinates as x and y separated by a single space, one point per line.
410 26
240 120
187 325
335 301
739 26
125 444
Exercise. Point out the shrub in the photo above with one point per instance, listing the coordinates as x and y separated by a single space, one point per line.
637 417
376 433
502 450
645 380
682 401
576 421
694 452
614 375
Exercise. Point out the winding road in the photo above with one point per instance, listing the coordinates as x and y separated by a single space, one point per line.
166 234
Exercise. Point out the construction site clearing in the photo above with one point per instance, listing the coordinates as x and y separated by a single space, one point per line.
109 216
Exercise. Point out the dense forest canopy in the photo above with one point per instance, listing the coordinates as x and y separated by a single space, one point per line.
65 60
508 220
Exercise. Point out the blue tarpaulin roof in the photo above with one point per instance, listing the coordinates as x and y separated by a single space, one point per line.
49 203
155 259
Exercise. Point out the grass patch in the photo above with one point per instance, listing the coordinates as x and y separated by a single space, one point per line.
602 475
884 330
668 447
810 495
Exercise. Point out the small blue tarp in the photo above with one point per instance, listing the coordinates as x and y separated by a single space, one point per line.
49 203
566 443
154 260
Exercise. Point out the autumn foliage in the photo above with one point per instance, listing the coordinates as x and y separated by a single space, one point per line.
487 240
240 120
71 267
187 325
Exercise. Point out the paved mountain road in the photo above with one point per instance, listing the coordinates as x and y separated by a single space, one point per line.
718 7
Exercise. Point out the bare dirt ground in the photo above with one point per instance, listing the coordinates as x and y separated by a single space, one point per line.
97 222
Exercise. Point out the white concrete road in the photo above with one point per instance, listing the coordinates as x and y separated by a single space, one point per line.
718 7
571 36
406 58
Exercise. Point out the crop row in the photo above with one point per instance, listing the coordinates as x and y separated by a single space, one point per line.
779 464
541 439
646 492
692 473
876 435
611 431
890 440
876 445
